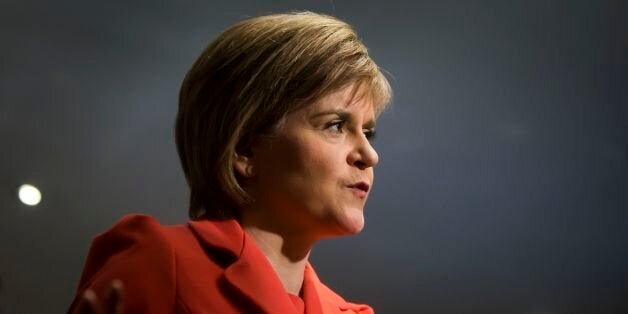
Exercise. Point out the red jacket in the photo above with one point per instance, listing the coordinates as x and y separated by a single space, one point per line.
202 267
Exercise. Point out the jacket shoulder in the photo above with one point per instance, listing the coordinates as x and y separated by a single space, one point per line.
137 251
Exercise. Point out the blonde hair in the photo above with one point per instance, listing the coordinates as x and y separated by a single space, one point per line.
247 80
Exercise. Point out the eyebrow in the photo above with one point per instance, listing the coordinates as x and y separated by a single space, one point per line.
343 114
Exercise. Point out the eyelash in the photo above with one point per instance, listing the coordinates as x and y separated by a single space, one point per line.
370 134
337 126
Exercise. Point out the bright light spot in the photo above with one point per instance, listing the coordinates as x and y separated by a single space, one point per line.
29 195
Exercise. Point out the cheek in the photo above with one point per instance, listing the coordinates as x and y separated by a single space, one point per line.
309 165
321 161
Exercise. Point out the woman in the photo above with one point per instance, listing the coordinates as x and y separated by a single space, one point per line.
273 134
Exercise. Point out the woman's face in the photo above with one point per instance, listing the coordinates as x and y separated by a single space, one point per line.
313 176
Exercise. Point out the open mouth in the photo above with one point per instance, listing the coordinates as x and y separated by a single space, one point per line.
363 186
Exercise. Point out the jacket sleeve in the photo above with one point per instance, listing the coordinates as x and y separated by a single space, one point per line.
136 251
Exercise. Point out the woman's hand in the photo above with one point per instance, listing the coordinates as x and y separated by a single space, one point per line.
111 304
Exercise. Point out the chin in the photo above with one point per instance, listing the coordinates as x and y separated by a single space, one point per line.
351 222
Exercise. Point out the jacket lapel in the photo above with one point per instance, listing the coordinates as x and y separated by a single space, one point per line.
255 278
320 299
251 274
310 292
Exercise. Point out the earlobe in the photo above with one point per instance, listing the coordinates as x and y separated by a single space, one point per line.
244 166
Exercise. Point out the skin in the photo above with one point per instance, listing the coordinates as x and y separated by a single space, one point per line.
303 181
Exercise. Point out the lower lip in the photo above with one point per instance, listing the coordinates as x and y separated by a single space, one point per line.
359 192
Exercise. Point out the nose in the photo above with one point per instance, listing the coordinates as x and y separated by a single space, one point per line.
363 155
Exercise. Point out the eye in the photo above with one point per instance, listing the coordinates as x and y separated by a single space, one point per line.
336 126
369 134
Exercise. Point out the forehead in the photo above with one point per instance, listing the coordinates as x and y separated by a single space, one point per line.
351 98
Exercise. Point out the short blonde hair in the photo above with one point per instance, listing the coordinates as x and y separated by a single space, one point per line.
246 81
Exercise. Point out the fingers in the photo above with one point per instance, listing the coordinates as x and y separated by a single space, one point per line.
114 297
91 304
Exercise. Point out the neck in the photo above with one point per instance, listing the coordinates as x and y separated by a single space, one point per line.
287 255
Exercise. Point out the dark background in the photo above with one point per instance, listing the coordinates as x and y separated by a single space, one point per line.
503 180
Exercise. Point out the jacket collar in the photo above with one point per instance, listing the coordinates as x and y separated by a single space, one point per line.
223 235
250 273
320 299
311 296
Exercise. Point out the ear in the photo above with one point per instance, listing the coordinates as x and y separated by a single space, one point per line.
244 165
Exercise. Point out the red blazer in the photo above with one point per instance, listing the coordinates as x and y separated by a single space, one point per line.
202 267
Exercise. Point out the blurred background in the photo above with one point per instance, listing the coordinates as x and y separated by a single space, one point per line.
503 178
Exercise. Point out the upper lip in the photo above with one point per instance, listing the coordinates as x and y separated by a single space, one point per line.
361 185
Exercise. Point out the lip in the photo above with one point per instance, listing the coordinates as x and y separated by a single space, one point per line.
361 188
